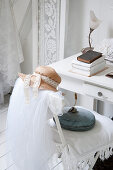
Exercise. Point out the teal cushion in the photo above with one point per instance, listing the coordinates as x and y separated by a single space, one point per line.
77 120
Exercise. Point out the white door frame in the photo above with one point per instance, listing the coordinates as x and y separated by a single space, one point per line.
63 26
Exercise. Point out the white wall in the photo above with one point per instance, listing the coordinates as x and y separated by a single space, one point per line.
78 29
103 10
78 23
74 27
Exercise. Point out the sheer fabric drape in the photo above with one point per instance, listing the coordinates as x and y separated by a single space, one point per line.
29 133
10 48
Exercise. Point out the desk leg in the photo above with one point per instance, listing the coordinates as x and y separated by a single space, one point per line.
75 99
95 105
80 100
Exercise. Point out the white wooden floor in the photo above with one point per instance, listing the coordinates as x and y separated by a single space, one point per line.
5 162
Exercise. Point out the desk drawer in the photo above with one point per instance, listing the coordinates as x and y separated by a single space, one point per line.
98 92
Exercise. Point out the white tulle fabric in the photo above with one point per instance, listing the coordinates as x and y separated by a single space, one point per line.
10 48
29 134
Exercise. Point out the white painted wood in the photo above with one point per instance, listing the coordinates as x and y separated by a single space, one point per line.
2 137
13 167
3 109
3 141
3 150
63 17
5 162
49 25
64 69
35 32
92 90
75 82
3 117
96 157
60 131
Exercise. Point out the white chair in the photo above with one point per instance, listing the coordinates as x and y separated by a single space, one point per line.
80 150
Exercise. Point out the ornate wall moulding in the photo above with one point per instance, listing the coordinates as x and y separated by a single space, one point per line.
46 25
49 31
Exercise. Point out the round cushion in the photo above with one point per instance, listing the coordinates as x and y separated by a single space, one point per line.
77 119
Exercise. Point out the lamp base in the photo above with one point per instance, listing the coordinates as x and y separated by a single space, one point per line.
84 50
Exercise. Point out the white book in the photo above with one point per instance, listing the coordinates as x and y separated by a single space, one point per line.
88 68
93 71
79 63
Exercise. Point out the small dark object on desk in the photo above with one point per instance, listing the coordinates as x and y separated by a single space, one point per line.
73 110
110 75
84 50
89 56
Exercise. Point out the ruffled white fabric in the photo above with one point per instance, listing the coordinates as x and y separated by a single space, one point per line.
10 48
29 134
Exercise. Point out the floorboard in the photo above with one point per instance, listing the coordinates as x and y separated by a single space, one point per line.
12 167
5 162
3 149
3 118
3 137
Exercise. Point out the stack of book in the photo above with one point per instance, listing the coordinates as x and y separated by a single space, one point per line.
89 64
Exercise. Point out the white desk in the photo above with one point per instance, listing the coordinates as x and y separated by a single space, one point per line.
90 86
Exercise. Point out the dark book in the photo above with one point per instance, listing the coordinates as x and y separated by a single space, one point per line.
89 56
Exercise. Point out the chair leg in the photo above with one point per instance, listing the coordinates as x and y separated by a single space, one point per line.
53 168
96 157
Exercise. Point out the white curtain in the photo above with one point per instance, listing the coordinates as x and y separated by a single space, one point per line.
10 48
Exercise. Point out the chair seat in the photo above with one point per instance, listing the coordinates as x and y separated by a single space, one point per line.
86 144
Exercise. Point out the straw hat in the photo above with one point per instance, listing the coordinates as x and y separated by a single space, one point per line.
49 78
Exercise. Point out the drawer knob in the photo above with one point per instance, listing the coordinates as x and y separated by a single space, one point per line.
100 94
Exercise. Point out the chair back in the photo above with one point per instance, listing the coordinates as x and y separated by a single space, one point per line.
56 103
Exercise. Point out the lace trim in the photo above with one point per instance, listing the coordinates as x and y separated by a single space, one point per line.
70 162
26 87
36 84
48 80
